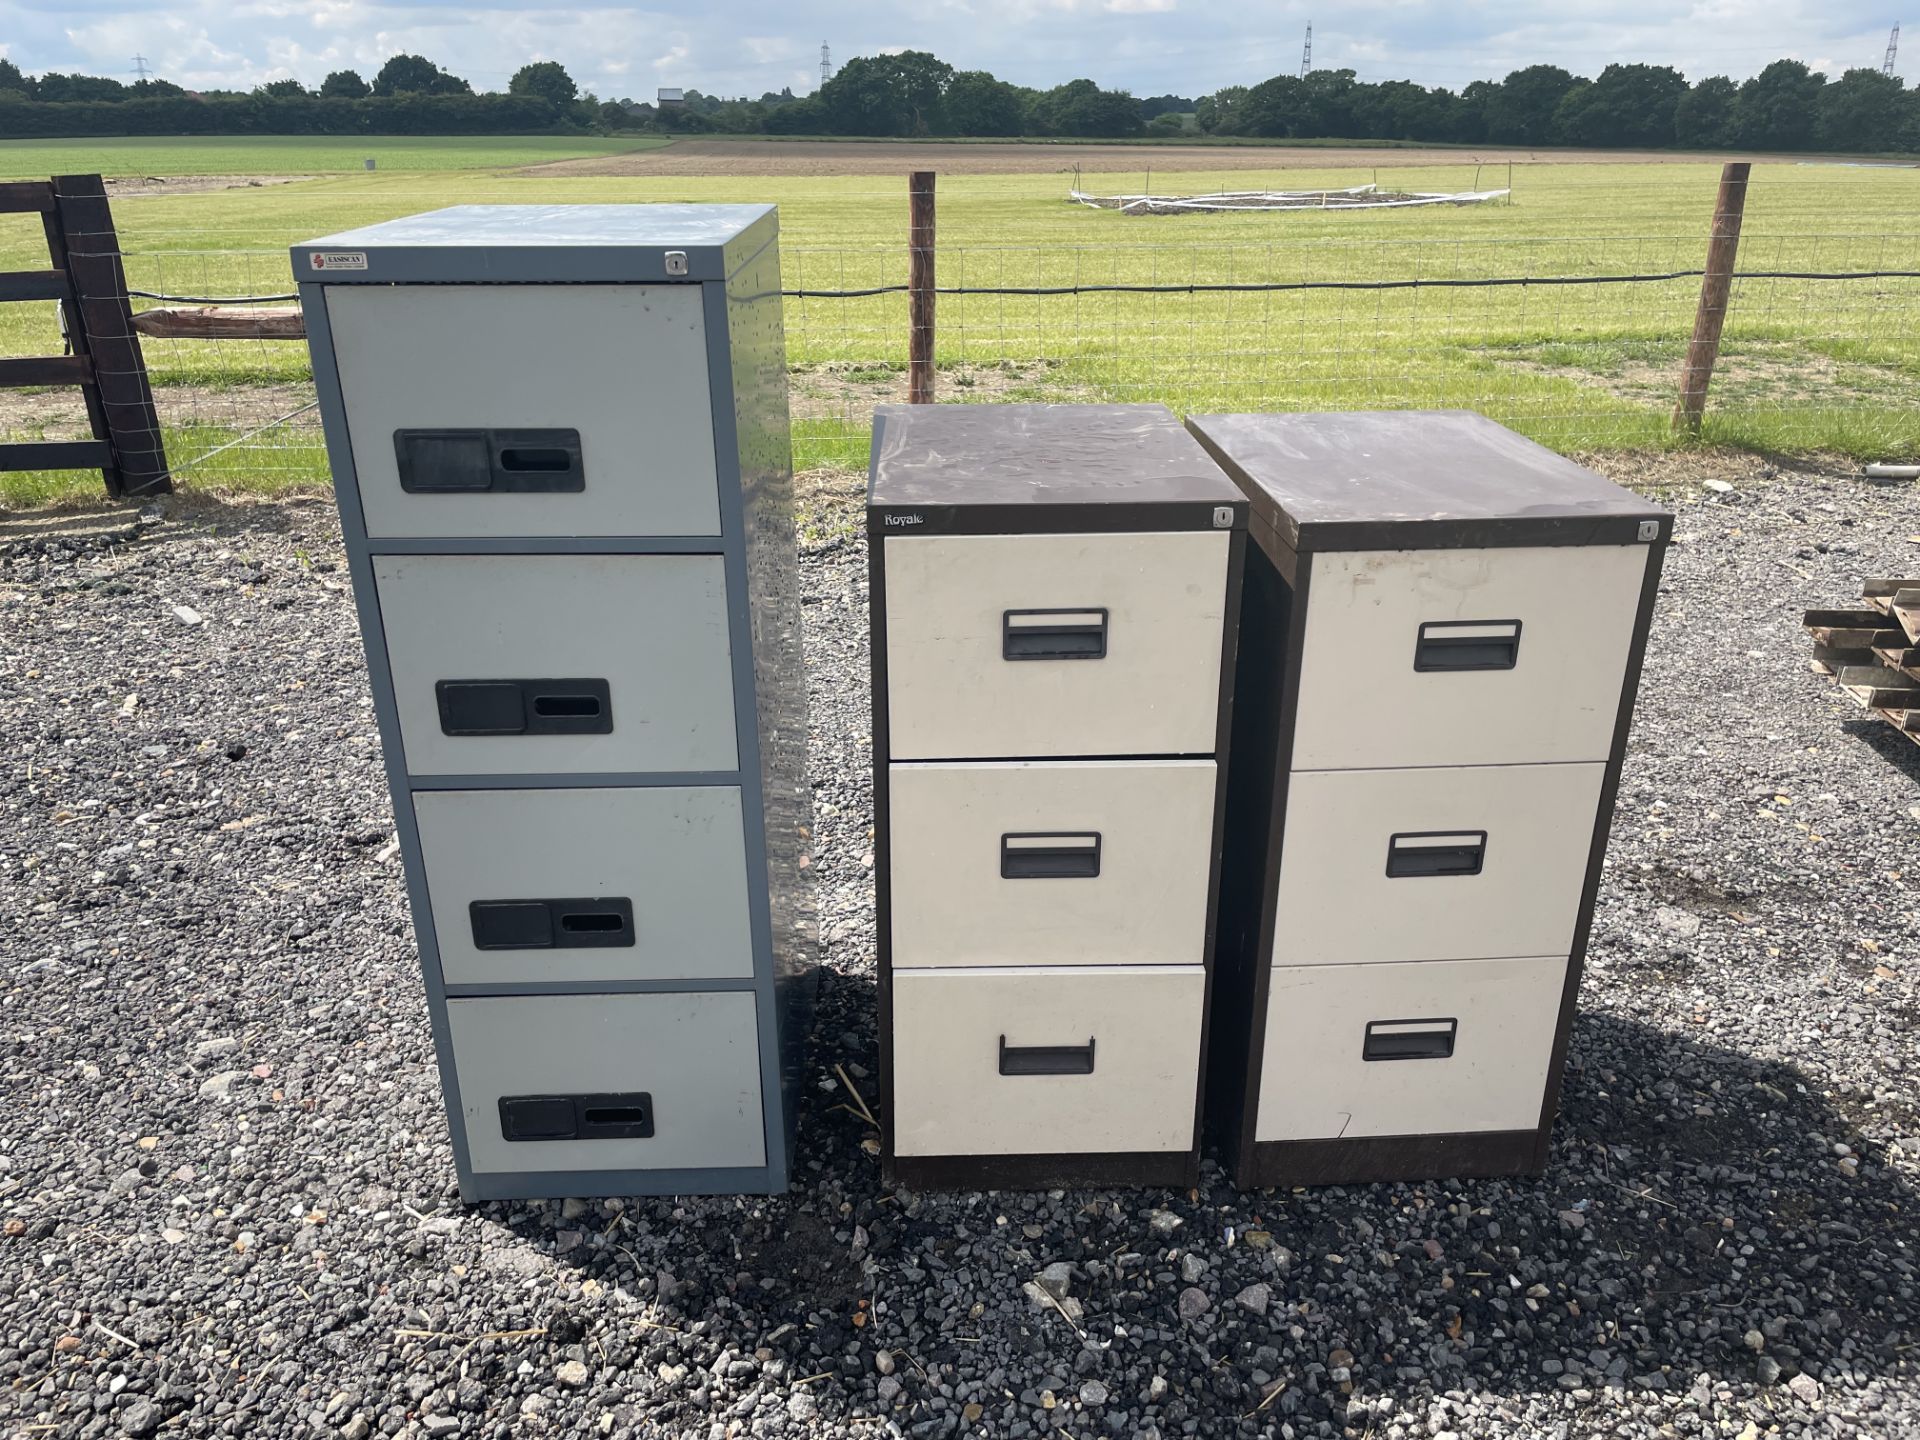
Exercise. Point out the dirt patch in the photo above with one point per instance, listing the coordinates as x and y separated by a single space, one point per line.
62 414
897 157
134 186
1658 472
1755 374
842 388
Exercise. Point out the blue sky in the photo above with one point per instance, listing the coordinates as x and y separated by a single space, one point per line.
1185 47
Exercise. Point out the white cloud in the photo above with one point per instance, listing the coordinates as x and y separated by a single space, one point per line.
748 46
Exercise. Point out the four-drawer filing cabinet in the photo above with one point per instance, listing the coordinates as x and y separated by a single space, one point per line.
559 441
1054 603
1441 642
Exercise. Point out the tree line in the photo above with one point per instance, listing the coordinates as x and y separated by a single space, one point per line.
409 95
1786 106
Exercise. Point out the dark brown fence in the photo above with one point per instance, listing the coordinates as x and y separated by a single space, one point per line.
86 278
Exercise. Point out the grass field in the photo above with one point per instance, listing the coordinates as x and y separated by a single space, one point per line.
143 155
1808 364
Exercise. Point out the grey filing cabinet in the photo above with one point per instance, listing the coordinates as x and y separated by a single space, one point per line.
559 441
1441 641
1054 607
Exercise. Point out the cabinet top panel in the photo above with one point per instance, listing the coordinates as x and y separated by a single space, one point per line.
1043 467
533 244
1416 479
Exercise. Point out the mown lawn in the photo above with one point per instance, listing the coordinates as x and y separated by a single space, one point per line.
137 156
1826 365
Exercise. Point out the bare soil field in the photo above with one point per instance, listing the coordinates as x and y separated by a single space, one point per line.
129 187
898 157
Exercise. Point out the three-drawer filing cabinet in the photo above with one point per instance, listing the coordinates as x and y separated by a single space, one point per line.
559 442
1441 639
1054 601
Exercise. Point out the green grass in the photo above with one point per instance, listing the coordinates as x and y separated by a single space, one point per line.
1810 365
1192 138
142 155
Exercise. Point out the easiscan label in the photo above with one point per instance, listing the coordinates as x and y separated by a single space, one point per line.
337 259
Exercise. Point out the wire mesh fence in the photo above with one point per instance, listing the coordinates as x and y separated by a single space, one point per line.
1576 341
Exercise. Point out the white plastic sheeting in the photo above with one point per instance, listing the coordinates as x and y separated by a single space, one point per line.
1356 197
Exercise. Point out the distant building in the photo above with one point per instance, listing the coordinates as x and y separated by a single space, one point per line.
669 98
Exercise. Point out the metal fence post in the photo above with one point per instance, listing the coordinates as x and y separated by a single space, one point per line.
1723 250
920 288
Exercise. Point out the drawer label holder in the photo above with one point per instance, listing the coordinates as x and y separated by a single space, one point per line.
1467 645
1046 1059
1410 1039
524 707
1436 852
551 924
1050 855
1054 634
467 462
627 1116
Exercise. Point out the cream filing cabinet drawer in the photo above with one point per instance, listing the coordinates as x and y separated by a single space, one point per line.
1040 645
1465 657
1362 1050
519 410
1442 864
609 1082
1046 1060
504 664
619 883
1051 862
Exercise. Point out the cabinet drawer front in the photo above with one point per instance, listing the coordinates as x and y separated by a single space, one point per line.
1445 864
1431 1048
523 664
1050 862
1038 645
608 884
609 1082
1045 1061
1465 657
449 388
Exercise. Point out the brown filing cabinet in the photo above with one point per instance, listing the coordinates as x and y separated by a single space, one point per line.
1442 631
1054 595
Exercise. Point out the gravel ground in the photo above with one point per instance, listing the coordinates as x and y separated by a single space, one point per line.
226 1189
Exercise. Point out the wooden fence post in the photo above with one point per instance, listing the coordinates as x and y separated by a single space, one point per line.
920 288
1723 250
106 333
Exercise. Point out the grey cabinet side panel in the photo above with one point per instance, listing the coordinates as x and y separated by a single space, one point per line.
753 438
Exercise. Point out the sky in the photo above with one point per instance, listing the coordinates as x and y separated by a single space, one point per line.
1151 47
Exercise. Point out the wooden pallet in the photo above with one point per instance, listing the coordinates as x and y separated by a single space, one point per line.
1874 652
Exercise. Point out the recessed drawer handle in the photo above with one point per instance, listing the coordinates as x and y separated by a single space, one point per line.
1467 645
1050 855
466 462
535 459
1046 1059
627 1116
1436 852
1053 634
551 924
524 707
1409 1039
